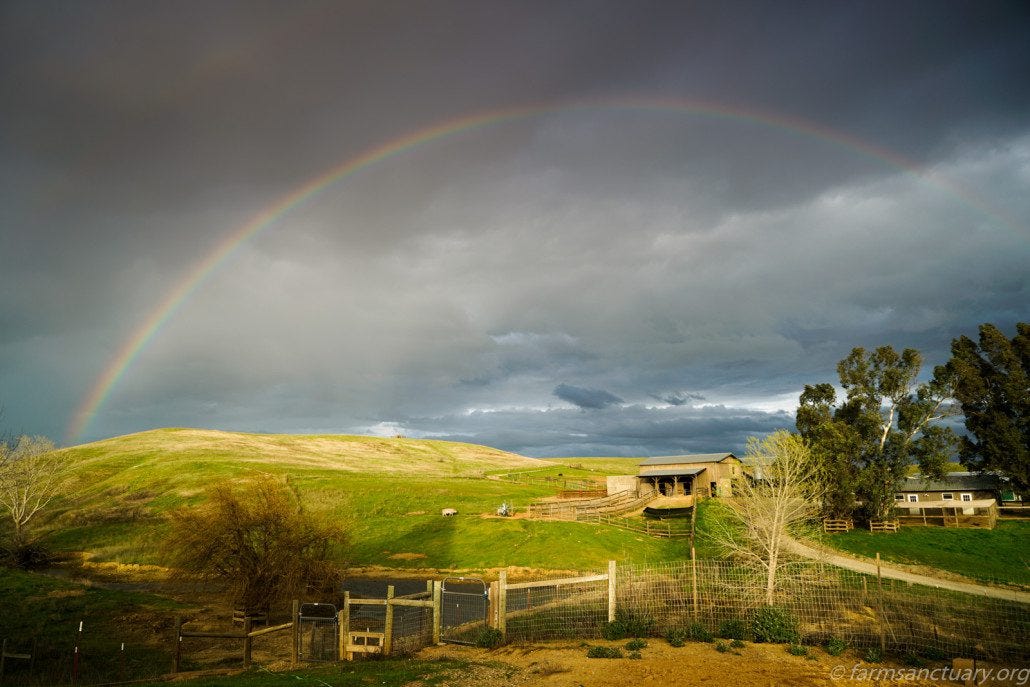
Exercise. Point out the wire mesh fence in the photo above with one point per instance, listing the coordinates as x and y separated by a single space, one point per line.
820 601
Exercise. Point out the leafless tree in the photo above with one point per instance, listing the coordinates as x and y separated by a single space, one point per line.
781 493
31 474
257 539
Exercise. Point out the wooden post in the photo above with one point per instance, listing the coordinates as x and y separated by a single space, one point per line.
177 654
388 630
295 649
3 658
437 610
248 641
491 612
879 603
611 591
345 628
502 603
693 576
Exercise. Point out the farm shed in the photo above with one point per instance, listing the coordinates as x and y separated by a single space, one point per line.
705 474
960 499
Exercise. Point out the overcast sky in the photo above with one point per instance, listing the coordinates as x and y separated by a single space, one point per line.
693 210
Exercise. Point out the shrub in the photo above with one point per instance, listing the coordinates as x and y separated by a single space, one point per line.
836 646
635 655
489 638
722 647
797 650
628 625
30 555
774 624
734 628
737 644
872 655
603 652
636 645
676 637
698 633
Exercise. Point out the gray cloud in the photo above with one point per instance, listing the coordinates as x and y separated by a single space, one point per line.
585 398
859 178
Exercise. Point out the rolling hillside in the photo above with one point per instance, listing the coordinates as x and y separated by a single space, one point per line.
387 492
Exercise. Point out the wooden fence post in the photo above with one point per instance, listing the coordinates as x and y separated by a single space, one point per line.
491 611
611 591
345 627
295 649
177 654
502 603
388 630
248 641
437 610
879 603
693 577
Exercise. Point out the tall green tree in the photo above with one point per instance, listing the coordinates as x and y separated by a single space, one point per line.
992 384
885 423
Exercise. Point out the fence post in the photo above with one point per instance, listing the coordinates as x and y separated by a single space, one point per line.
437 611
388 630
3 658
611 591
491 610
177 654
344 622
693 576
879 603
502 603
248 641
295 649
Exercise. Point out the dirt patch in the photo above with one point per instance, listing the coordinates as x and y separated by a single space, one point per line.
407 556
565 664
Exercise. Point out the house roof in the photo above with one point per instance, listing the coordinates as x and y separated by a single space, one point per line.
687 459
955 481
671 472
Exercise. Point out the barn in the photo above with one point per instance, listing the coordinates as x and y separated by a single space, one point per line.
697 474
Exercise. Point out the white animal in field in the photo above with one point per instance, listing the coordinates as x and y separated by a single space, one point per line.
449 511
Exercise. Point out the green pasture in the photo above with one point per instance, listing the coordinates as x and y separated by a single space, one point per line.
1001 555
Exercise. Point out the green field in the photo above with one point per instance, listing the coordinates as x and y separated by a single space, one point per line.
388 493
1001 555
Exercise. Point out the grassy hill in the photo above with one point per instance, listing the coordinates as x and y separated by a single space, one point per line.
388 493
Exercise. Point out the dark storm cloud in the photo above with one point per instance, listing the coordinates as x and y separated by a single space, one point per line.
585 398
645 253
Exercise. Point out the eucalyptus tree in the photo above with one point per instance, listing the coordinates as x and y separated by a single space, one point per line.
992 384
887 421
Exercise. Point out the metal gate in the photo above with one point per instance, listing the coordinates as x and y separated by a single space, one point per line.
319 632
464 603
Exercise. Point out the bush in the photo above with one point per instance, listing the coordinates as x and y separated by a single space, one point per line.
872 656
635 655
797 650
676 637
722 647
603 652
488 638
734 628
30 555
628 625
836 646
774 624
737 644
698 633
636 645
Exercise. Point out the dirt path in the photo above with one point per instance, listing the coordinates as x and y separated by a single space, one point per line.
869 568
565 664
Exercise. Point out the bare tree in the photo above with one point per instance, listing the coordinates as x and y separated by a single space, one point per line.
31 474
257 539
782 491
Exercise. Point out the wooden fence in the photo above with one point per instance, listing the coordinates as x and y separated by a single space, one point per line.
662 529
588 509
246 636
830 525
884 525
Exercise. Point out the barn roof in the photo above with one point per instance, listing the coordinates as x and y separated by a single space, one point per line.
955 481
687 459
671 472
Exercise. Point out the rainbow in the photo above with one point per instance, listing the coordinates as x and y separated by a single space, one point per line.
199 273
